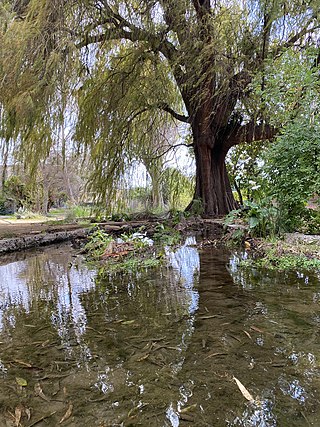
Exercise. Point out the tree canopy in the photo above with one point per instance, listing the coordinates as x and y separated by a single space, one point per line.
128 67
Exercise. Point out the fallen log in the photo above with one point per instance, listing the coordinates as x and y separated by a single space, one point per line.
34 240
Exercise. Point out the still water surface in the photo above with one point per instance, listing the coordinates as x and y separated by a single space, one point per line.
157 348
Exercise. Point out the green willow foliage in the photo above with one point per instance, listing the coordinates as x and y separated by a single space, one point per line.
119 118
126 68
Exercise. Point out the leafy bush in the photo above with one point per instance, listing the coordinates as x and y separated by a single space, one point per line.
262 218
292 166
311 222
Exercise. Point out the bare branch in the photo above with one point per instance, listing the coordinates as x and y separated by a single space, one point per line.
172 147
157 42
249 132
298 36
174 114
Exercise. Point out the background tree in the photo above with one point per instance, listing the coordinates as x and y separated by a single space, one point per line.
194 61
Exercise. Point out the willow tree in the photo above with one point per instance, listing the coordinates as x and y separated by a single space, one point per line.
142 62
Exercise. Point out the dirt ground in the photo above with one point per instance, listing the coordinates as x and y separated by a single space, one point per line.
19 227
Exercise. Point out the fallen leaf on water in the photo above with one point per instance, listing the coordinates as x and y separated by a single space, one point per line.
247 245
21 381
245 393
67 415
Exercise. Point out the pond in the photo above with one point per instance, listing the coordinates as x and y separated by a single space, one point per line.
198 342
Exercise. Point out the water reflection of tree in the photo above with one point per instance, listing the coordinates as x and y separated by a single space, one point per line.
258 329
160 340
42 292
108 328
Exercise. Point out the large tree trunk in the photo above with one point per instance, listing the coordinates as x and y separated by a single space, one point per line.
212 182
213 187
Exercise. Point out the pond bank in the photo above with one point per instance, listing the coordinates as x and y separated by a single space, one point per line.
292 251
16 237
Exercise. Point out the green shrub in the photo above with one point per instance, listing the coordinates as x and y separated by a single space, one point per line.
263 219
292 166
311 222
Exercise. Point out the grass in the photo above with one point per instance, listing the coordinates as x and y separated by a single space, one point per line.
282 255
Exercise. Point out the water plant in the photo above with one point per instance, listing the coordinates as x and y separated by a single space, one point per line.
166 236
97 243
131 251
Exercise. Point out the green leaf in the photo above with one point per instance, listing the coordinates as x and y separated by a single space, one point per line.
21 381
253 221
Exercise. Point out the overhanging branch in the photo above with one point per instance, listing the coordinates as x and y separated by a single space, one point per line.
157 42
165 107
298 36
249 132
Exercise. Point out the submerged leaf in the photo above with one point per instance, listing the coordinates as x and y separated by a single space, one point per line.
21 362
21 381
17 414
67 415
186 417
39 392
188 409
254 328
128 322
248 335
245 393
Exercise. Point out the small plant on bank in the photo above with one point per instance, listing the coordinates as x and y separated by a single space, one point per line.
263 219
166 236
98 241
272 261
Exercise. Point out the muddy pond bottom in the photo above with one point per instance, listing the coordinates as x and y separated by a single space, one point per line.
197 342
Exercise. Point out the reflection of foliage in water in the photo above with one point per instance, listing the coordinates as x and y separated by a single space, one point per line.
156 345
109 327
